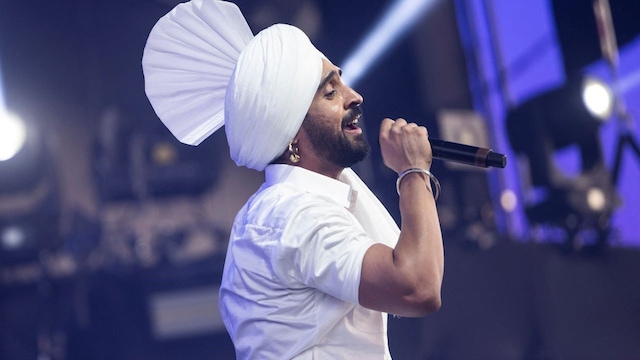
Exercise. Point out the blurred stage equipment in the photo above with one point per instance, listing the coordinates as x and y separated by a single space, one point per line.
570 116
182 313
155 222
609 49
304 14
29 206
468 211
137 159
152 191
540 127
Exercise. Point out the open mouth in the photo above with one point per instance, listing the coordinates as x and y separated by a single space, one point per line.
353 124
350 121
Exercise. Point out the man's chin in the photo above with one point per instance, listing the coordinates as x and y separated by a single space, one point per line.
359 152
356 139
361 145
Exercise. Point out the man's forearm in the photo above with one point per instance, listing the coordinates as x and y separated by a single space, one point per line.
419 254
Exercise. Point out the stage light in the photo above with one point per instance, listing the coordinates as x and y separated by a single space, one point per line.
29 202
552 121
12 238
24 236
597 98
401 16
24 154
164 154
508 200
555 121
596 199
13 134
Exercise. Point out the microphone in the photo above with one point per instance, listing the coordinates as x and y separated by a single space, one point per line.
466 154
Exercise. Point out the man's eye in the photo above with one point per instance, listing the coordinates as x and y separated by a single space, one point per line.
331 93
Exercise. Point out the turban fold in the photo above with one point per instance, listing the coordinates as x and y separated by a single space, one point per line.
203 68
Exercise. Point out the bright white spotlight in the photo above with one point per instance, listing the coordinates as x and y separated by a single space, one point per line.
597 97
400 17
13 134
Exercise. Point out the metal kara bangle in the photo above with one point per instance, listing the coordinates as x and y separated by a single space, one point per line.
433 179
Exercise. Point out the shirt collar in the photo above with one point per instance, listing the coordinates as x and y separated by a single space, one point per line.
311 182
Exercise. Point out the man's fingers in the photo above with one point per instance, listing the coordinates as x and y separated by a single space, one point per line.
390 127
424 131
399 124
404 145
386 125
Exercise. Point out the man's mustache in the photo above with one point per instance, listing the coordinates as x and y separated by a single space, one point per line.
351 115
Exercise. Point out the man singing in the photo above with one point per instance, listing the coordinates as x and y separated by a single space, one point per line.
315 262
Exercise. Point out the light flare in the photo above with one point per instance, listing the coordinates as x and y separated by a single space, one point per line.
402 15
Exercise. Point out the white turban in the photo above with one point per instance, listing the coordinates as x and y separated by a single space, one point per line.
203 69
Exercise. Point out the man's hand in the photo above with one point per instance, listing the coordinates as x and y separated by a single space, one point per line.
406 280
404 145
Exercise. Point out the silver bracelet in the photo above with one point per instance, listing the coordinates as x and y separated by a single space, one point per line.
433 179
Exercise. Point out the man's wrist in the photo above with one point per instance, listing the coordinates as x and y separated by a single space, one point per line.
435 189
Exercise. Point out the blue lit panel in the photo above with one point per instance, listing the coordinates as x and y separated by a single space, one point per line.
517 56
626 218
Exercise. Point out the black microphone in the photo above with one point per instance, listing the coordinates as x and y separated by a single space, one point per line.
466 154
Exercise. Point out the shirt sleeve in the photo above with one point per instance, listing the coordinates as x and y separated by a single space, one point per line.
322 246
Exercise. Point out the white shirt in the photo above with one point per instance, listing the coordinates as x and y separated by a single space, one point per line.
292 273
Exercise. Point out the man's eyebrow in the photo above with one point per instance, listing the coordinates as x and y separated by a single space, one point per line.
328 78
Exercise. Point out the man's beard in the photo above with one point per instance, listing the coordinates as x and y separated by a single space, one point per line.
334 146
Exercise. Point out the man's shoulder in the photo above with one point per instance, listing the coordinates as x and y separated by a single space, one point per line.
287 197
276 205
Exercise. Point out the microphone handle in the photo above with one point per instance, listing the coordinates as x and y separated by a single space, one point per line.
466 154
